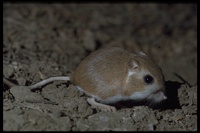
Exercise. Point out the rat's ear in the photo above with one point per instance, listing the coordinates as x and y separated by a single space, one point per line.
132 64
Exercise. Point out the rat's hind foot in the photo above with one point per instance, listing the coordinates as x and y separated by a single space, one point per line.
104 107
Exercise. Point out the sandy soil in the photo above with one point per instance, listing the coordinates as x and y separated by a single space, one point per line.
42 40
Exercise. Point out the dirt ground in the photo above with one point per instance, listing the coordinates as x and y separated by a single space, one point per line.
43 40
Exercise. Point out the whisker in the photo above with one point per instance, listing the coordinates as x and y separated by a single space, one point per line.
151 103
148 103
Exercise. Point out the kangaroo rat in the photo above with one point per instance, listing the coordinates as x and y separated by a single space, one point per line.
112 74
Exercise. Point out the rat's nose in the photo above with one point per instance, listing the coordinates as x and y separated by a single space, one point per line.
164 97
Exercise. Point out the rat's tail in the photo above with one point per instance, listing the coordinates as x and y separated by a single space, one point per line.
48 80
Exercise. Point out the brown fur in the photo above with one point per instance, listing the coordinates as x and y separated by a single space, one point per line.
103 73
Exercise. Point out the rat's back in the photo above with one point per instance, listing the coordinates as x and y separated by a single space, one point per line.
102 73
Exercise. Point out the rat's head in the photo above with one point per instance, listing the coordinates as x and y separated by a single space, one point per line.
145 80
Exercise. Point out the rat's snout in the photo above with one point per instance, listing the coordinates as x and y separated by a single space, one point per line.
162 93
159 96
164 97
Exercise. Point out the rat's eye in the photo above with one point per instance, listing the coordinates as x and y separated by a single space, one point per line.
148 79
